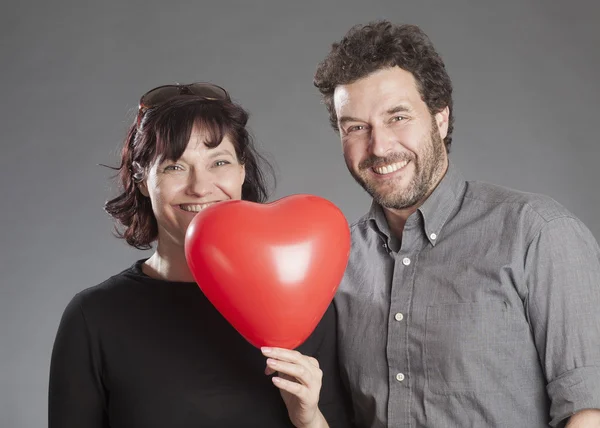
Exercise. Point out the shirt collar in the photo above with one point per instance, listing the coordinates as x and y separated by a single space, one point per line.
434 212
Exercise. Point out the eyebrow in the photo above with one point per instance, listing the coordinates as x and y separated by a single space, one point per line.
397 109
346 119
220 153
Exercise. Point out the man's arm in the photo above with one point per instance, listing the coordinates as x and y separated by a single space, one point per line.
562 268
589 418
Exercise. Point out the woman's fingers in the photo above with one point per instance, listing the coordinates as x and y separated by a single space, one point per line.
289 356
295 388
292 363
304 372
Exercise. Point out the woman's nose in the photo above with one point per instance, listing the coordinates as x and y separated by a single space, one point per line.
200 183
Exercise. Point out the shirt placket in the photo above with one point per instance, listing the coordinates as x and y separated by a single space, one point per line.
399 373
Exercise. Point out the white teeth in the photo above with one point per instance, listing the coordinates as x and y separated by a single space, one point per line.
387 169
195 208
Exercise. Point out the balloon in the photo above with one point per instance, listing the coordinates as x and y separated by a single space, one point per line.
270 269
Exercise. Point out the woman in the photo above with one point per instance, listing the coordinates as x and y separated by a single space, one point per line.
146 348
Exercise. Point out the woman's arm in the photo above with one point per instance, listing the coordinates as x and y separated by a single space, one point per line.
76 396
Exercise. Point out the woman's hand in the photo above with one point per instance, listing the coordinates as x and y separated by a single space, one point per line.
299 381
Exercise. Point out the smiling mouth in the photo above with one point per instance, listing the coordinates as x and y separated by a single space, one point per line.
388 169
196 208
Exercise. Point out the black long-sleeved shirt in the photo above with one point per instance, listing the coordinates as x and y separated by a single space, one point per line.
138 352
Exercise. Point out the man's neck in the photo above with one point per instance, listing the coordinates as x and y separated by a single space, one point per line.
396 218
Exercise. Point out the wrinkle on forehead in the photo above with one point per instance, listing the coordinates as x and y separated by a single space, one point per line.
201 139
198 140
378 92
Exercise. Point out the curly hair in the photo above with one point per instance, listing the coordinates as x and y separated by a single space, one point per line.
163 134
381 44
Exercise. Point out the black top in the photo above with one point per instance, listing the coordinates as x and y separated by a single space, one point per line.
137 352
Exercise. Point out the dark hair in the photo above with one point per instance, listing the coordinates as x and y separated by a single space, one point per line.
163 134
381 44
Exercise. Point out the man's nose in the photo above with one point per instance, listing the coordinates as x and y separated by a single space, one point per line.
382 141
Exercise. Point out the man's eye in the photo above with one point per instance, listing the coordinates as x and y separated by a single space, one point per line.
355 128
398 118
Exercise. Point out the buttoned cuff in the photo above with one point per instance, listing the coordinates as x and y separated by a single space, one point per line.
573 391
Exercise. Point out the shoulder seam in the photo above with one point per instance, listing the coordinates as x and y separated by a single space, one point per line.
527 205
358 223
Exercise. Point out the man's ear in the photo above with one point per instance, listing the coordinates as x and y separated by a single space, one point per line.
441 119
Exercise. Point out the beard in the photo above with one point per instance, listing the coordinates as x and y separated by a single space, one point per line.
428 170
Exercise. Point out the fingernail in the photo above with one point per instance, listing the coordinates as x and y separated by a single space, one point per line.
272 363
266 350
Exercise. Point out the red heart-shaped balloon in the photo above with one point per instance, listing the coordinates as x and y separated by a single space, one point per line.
270 269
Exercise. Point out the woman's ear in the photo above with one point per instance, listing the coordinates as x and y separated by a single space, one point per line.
143 188
243 173
139 178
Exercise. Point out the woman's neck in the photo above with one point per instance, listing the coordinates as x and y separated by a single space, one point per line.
168 265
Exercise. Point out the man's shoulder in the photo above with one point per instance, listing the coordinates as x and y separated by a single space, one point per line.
361 226
361 222
525 203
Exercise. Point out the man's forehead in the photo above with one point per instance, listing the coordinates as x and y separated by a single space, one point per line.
383 90
341 96
379 104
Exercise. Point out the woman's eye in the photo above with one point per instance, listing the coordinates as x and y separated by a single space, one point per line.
221 163
173 168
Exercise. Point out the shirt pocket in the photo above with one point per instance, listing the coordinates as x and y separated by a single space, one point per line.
468 348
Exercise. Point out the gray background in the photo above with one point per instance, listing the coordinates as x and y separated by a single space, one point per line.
526 94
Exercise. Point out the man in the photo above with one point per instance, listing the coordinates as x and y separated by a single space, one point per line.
464 304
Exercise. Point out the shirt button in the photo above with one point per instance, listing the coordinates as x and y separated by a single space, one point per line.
433 236
399 316
399 377
405 261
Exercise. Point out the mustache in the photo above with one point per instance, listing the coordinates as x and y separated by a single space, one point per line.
377 161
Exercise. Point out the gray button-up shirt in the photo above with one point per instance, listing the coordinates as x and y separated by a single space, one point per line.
486 315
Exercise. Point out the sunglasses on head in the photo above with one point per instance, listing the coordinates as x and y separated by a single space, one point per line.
161 94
